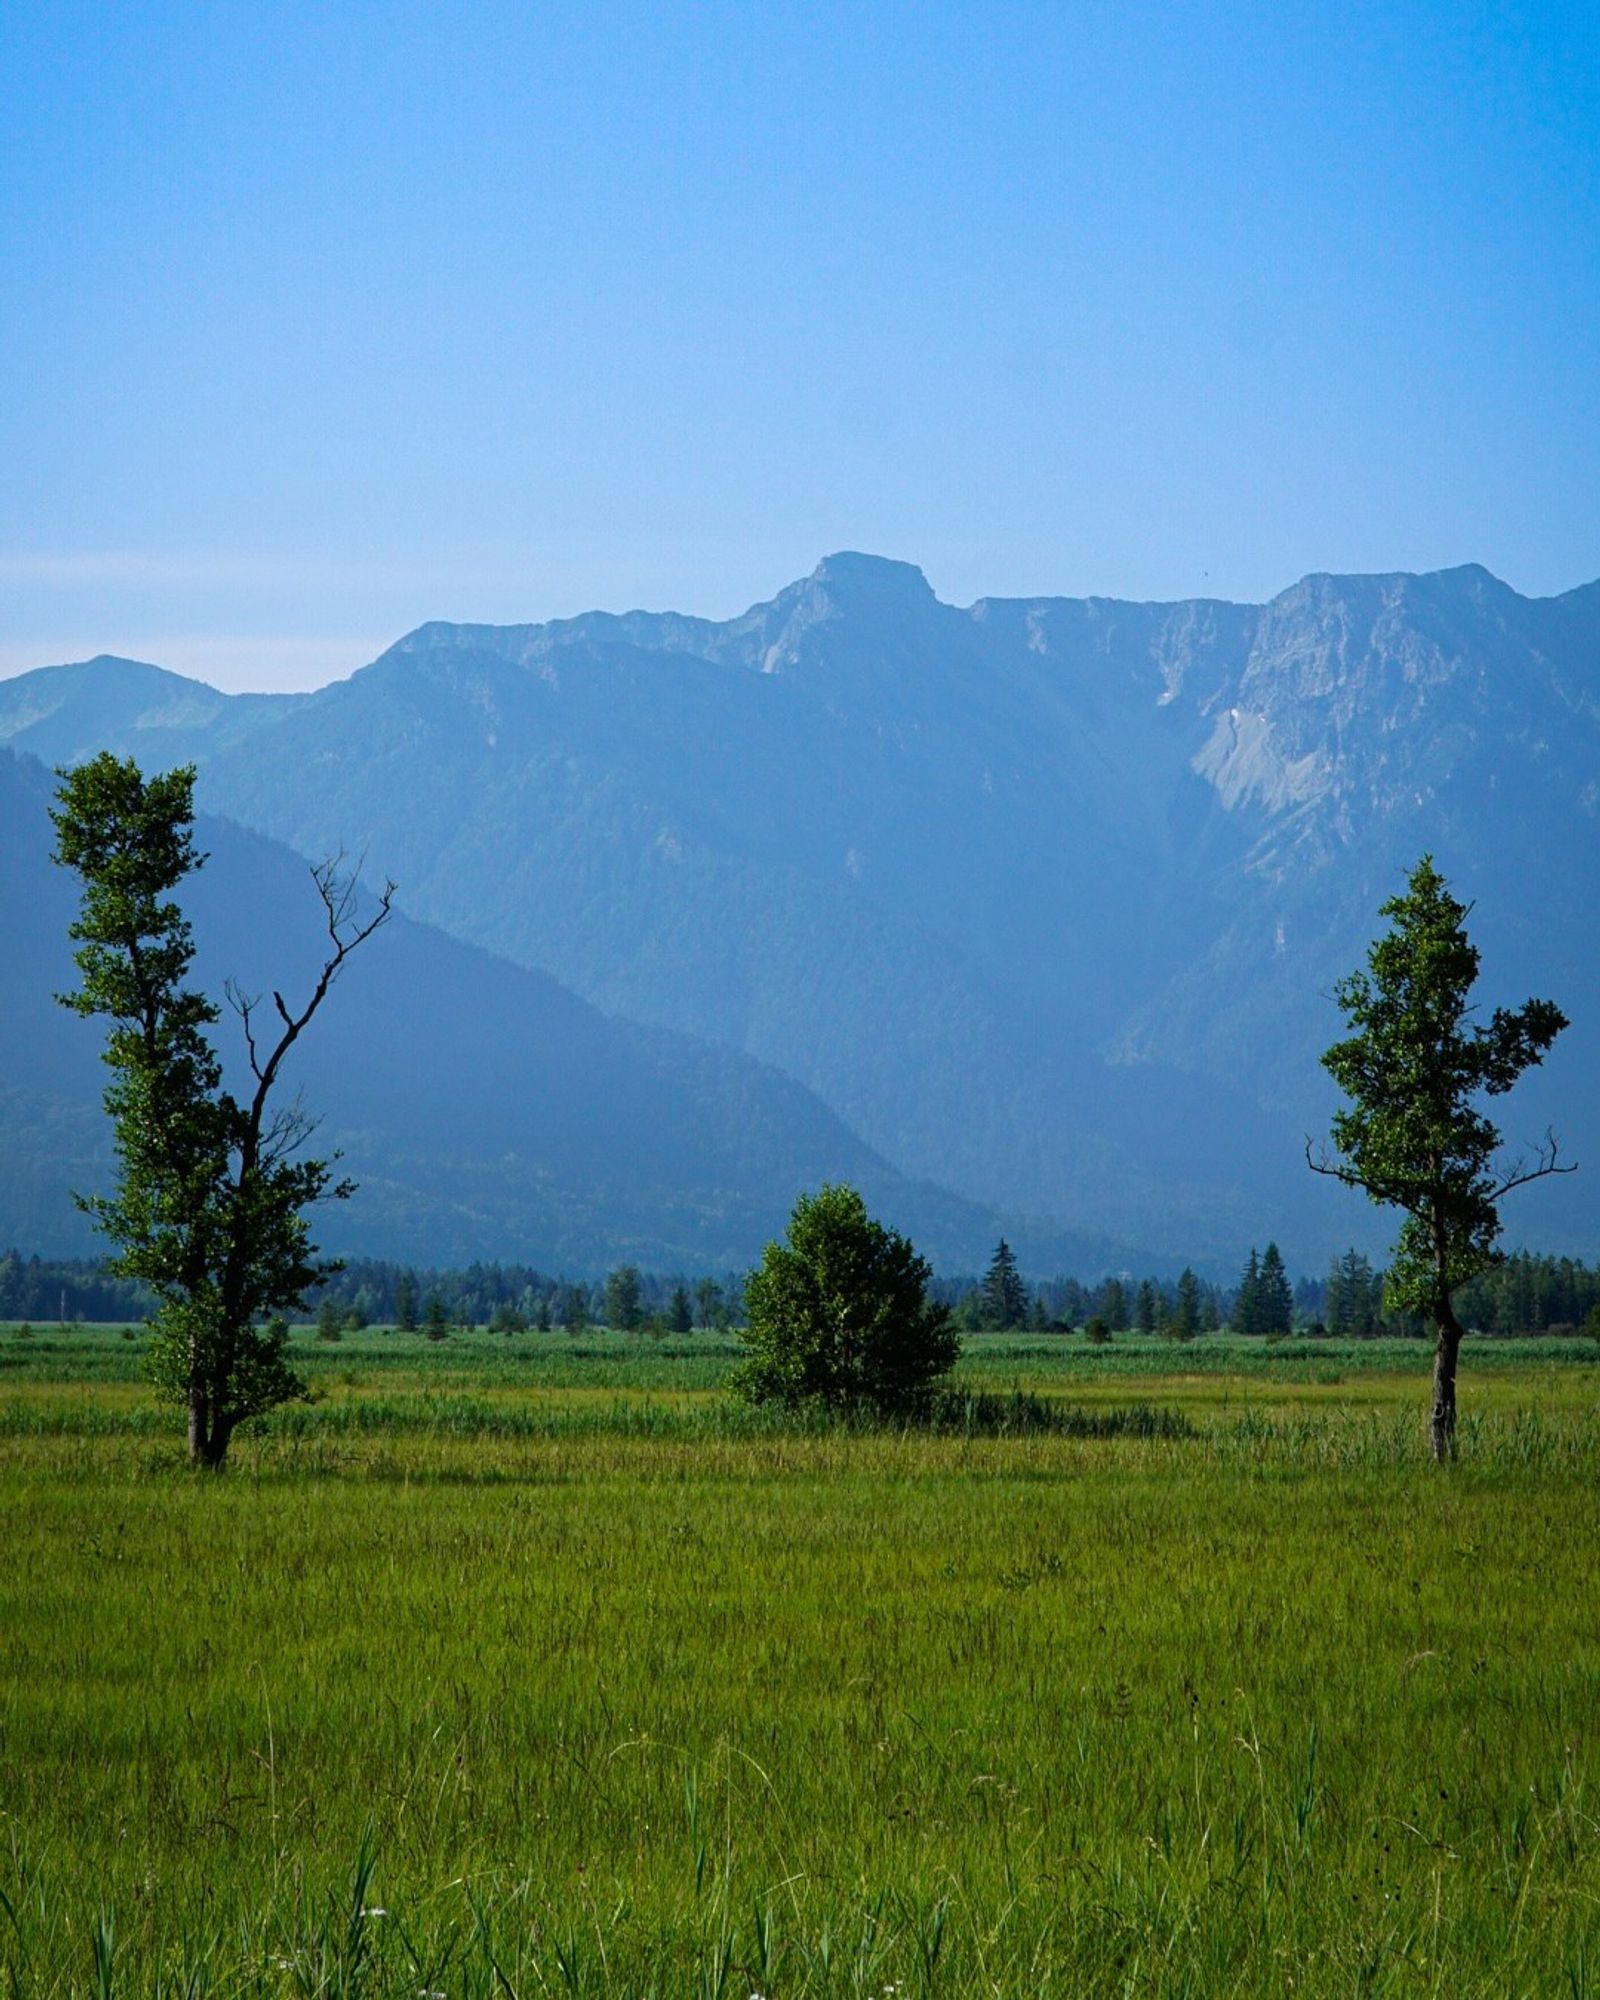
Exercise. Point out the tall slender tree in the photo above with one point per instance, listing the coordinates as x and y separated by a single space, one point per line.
212 1189
1247 1300
624 1299
1413 1136
1146 1307
1184 1323
1004 1299
1274 1296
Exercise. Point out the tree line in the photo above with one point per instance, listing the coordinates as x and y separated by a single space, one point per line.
1525 1295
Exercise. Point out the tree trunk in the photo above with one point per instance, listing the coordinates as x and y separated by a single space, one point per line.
209 1432
199 1425
1442 1424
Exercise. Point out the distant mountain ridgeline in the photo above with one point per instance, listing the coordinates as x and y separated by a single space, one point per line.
484 1109
1041 899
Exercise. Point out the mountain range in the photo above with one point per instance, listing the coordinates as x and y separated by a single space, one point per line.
1031 908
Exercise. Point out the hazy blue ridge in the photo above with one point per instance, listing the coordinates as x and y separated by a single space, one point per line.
485 1110
1043 898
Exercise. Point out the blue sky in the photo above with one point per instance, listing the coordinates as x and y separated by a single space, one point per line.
321 320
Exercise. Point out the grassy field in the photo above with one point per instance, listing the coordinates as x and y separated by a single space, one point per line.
525 1666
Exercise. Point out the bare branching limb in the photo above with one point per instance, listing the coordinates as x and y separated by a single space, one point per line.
1546 1161
244 1005
285 1132
338 892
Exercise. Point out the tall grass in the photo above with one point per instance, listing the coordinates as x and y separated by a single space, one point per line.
562 1690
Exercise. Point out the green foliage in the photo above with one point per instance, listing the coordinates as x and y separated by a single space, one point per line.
1184 1323
1246 1317
679 1314
1003 1301
1274 1296
624 1308
839 1314
1352 1298
1097 1332
1413 1067
1264 1302
208 1210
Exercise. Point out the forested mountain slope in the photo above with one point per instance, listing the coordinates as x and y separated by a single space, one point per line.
1044 898
484 1110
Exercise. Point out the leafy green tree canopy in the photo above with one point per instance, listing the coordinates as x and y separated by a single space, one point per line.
209 1207
1413 1135
838 1314
624 1299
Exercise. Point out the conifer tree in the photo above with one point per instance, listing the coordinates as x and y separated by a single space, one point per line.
1184 1322
1146 1307
1274 1296
1005 1299
1247 1300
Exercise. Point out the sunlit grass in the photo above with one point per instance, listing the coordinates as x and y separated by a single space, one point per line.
641 1696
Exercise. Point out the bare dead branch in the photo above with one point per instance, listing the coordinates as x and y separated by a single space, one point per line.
244 1005
338 894
1546 1161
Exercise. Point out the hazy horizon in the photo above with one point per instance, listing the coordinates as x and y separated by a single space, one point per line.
332 323
292 666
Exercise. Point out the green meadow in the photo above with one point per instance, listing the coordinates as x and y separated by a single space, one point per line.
531 1666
